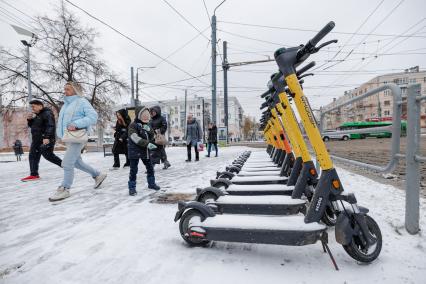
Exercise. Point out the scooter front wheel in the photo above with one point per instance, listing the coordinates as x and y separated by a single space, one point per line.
194 241
207 196
330 216
360 253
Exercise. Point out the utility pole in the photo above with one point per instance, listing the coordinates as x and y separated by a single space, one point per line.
184 124
137 87
214 68
204 123
132 87
225 86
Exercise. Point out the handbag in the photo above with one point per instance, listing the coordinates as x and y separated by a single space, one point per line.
159 138
200 146
76 136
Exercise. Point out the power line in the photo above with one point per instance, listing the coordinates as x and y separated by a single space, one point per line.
184 18
311 30
180 48
353 35
18 10
135 42
251 38
207 12
375 28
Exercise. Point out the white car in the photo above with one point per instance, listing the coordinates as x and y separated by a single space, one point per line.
327 135
178 143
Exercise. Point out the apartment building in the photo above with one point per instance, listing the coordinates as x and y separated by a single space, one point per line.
377 107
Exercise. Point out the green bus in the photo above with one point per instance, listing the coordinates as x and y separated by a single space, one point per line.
371 124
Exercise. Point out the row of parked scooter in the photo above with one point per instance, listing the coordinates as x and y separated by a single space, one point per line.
277 197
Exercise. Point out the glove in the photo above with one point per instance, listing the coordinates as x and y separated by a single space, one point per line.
146 127
151 146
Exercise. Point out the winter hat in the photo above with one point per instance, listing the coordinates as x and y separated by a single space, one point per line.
144 115
78 90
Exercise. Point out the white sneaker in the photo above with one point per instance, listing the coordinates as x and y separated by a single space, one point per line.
60 194
99 179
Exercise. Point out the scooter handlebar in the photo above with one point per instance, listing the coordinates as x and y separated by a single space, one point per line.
310 46
305 68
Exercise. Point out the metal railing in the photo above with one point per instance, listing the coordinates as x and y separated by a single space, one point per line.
412 155
413 159
395 128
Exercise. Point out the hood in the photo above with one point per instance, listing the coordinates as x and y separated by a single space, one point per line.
123 112
142 112
157 109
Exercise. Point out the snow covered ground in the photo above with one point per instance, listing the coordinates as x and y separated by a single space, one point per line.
106 236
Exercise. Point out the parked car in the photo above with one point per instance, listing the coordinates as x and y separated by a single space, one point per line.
327 135
178 142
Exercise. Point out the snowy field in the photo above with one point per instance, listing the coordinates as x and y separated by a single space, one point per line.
106 236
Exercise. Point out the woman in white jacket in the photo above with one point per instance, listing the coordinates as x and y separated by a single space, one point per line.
76 113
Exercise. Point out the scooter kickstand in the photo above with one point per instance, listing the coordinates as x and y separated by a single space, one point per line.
324 241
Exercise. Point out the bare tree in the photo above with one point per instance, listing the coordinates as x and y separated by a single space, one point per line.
64 51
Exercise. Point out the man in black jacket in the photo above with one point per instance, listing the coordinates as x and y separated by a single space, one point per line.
159 124
42 124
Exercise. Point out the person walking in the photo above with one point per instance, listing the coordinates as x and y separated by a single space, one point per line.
141 142
120 138
42 124
194 134
159 125
211 139
17 148
76 114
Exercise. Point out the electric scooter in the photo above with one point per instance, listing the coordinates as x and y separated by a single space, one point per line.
357 232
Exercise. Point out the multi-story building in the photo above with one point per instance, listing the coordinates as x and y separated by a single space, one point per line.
201 108
377 107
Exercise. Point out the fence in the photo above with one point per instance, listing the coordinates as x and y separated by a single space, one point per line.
412 157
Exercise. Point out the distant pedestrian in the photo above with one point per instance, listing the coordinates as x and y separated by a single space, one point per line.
17 148
42 124
76 114
193 136
212 139
141 142
159 124
120 138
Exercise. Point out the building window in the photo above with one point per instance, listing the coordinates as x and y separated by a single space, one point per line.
412 80
387 103
198 107
387 112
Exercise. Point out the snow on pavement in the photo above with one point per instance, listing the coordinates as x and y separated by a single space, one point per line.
106 236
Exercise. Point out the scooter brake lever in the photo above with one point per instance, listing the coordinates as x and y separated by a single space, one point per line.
325 44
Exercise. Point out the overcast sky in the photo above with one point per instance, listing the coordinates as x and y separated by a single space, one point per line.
156 26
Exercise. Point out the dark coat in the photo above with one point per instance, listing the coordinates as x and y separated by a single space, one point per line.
120 147
158 121
139 138
17 147
194 133
212 134
42 126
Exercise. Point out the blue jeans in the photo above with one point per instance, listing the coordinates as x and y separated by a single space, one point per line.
209 147
72 159
134 171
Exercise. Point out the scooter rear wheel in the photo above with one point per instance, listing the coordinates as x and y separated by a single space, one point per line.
184 229
356 250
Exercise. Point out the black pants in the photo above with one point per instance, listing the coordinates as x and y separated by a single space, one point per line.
117 160
188 148
163 154
37 150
